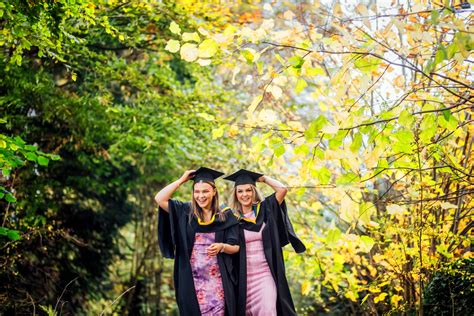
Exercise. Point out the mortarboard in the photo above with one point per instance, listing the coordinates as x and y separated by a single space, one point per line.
244 177
206 174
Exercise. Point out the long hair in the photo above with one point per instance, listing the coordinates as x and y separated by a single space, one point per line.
235 204
215 209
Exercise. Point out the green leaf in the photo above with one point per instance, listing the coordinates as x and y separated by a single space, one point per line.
333 235
356 142
43 161
55 157
279 149
302 149
13 234
30 156
317 71
428 127
406 119
300 85
31 147
323 175
347 178
10 198
434 16
248 55
366 64
296 61
367 243
337 140
315 127
440 55
451 50
3 144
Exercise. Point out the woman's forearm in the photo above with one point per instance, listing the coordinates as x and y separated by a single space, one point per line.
165 194
279 188
230 249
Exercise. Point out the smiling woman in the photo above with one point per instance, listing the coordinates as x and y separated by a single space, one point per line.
200 237
264 229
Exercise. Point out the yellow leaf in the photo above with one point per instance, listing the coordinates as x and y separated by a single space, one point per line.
275 91
394 209
3 144
351 295
255 102
208 48
189 52
362 9
172 46
447 205
233 131
174 28
305 288
204 62
395 299
267 116
268 7
203 31
288 15
349 209
191 37
380 298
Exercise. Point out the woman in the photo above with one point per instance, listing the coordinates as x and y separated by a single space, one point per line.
200 237
264 229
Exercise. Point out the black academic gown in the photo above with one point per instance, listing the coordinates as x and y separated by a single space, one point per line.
176 239
277 233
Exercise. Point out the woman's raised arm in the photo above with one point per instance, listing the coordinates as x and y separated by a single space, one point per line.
279 188
162 197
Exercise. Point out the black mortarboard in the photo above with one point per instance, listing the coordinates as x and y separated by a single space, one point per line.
206 174
244 177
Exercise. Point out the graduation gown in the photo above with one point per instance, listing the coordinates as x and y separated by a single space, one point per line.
176 239
278 232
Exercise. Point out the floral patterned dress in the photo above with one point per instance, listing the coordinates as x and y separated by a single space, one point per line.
207 276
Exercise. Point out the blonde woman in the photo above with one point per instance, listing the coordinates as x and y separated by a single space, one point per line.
200 237
264 229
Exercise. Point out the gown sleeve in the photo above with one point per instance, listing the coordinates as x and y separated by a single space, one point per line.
168 225
286 232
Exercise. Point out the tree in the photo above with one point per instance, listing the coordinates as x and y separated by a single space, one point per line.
368 110
91 83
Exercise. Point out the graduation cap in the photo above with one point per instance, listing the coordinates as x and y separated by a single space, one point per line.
206 174
244 177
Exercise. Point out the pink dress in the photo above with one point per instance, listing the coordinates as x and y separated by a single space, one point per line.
261 288
207 277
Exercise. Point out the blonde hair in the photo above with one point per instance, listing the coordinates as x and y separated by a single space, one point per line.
215 209
235 204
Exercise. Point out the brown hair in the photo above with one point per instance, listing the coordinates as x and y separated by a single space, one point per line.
235 204
215 209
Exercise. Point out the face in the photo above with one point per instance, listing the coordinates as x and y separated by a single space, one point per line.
244 194
203 194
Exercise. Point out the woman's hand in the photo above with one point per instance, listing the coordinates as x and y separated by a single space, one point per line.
187 175
215 248
164 195
279 188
